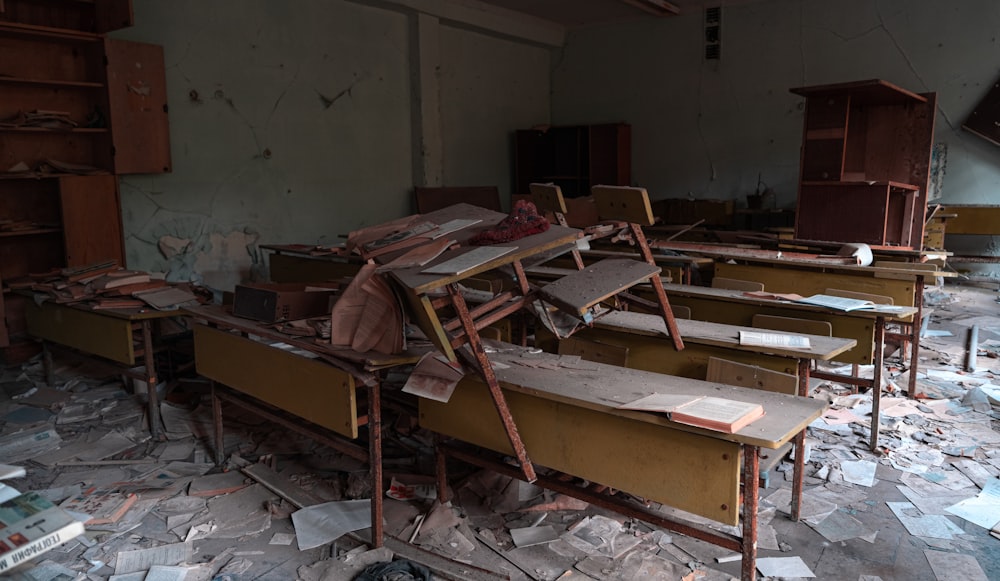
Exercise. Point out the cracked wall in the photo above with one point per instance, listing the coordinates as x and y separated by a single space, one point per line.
708 129
288 123
291 123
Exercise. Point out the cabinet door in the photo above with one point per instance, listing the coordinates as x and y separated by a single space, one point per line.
92 221
137 98
112 15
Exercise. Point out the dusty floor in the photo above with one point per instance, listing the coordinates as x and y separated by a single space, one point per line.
866 516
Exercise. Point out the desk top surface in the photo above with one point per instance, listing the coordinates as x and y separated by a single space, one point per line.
721 335
370 360
419 282
605 387
779 259
126 314
736 296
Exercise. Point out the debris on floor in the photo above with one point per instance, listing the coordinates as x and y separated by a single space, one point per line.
925 504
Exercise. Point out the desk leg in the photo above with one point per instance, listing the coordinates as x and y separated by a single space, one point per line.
375 460
486 369
799 470
877 380
47 364
441 470
149 360
918 302
751 491
220 452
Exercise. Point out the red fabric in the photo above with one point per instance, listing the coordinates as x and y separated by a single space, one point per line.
524 220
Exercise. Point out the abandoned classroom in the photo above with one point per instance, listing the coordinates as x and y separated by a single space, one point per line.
499 290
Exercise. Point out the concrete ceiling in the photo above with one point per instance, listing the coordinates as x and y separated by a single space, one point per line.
571 13
583 12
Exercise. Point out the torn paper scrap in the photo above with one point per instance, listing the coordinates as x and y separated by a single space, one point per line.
784 567
323 523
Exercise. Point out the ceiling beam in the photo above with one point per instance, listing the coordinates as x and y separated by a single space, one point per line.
486 17
656 7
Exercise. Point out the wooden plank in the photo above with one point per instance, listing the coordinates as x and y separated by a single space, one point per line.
696 473
280 485
91 332
576 293
625 203
308 388
752 376
92 219
137 97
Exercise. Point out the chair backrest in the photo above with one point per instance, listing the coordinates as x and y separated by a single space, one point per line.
743 375
625 203
736 284
793 325
681 312
430 199
877 299
548 197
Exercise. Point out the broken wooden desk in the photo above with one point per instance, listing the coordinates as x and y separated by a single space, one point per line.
123 336
427 292
866 327
568 413
326 386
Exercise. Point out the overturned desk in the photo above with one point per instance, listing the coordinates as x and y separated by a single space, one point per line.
332 389
567 411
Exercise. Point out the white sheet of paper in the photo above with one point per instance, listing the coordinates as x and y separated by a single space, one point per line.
784 567
861 472
923 525
323 523
982 510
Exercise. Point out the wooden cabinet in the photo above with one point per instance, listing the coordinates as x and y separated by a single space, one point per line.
574 158
76 110
98 16
865 163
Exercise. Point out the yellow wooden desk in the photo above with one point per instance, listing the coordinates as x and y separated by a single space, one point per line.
868 328
124 336
330 388
570 422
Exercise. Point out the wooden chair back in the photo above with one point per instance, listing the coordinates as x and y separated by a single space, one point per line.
877 299
793 325
548 197
736 284
625 203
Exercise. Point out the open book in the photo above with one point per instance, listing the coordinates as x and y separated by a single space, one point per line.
31 525
845 304
713 413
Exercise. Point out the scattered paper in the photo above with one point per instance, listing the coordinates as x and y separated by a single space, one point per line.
982 510
784 567
327 522
143 559
954 566
861 472
921 525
